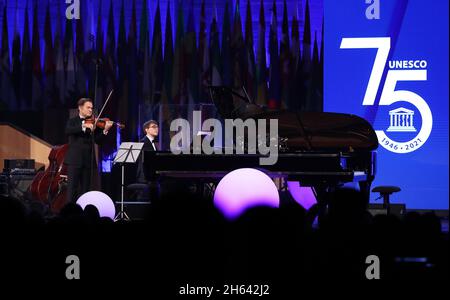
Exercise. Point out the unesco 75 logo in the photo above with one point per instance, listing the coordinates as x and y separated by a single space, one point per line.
401 118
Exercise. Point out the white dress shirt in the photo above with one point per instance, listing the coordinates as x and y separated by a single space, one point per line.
151 141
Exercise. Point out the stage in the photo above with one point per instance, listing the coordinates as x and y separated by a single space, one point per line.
224 148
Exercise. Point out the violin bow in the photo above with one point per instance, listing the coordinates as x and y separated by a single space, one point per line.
104 105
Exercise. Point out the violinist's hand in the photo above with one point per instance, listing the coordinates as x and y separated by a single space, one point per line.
89 125
108 125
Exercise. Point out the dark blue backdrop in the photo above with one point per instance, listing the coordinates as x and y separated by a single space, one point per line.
294 7
419 31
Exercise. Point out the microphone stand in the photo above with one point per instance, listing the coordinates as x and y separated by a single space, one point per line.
96 119
92 166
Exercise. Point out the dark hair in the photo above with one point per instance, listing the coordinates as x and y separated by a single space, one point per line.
82 101
148 123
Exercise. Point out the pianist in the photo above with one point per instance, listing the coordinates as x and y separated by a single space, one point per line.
148 187
151 130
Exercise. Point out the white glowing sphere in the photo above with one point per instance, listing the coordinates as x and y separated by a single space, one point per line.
245 188
101 201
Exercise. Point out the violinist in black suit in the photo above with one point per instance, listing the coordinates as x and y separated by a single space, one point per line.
79 158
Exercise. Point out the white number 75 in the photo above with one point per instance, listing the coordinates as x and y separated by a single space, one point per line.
389 95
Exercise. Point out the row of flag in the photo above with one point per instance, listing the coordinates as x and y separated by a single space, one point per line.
141 70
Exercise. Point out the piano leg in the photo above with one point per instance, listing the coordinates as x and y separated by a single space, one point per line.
323 194
364 187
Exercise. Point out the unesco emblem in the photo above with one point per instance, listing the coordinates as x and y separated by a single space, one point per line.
400 118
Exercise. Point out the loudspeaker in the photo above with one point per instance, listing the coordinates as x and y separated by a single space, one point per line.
4 189
16 186
10 164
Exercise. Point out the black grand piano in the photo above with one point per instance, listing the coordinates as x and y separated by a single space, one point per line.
321 150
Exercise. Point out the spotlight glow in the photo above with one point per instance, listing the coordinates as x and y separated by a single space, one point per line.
302 195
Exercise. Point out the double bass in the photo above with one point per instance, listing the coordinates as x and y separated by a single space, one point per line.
47 186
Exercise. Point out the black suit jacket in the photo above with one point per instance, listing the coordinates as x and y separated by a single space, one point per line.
147 144
81 143
142 175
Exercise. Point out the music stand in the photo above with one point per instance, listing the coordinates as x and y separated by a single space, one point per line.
127 153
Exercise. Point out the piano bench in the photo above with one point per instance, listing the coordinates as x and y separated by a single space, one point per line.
385 191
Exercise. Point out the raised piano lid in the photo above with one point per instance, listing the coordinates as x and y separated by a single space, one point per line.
320 131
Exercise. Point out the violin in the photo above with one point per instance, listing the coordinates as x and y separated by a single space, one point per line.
102 122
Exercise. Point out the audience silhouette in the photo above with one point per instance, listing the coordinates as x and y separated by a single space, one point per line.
184 238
